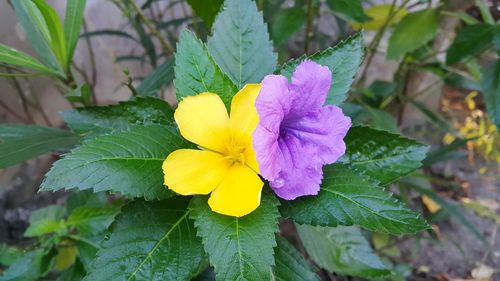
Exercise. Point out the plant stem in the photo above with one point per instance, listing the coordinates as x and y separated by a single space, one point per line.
24 99
92 63
13 112
309 34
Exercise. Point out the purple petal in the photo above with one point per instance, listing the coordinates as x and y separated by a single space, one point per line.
265 144
273 102
310 85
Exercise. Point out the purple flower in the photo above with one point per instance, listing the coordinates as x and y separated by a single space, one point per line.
297 134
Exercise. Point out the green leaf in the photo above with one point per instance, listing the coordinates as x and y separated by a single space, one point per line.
446 152
19 143
45 221
286 23
150 241
37 33
491 90
14 57
197 72
108 32
8 254
343 250
343 60
238 248
126 162
413 32
27 268
80 94
159 78
206 10
382 155
349 9
240 43
72 25
290 264
470 41
92 220
348 198
100 120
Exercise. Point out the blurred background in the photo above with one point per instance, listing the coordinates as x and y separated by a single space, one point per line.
430 72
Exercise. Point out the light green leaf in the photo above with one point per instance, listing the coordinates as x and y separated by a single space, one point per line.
382 155
238 248
343 60
92 220
196 71
150 241
349 9
470 41
290 264
379 14
240 43
14 57
45 221
348 198
342 250
80 94
413 32
100 120
158 79
19 143
8 254
126 162
286 23
72 25
206 10
491 91
37 33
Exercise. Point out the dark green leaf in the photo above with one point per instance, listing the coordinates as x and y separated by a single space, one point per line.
80 94
445 152
150 241
72 25
342 250
349 9
413 32
19 143
382 120
108 32
238 248
470 41
196 71
89 220
105 119
14 57
126 162
290 264
286 23
491 90
382 155
75 273
240 43
26 268
159 78
343 60
348 198
206 10
8 254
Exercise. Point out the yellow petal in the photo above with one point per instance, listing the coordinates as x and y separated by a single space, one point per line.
191 171
238 194
203 119
244 116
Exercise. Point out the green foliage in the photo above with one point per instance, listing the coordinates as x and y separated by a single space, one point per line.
206 10
413 32
14 57
286 23
343 250
9 254
159 78
19 143
240 43
348 198
491 90
72 24
125 162
27 268
382 155
238 248
349 9
343 60
150 241
470 41
196 72
98 120
290 264
45 221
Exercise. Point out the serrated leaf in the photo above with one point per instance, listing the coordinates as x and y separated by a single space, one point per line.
126 162
240 43
14 57
286 23
290 264
343 60
382 155
150 241
348 198
491 90
206 10
19 143
470 41
99 120
159 78
349 9
238 248
413 32
342 250
196 72
72 24
92 220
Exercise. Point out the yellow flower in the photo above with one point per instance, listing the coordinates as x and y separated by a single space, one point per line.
225 164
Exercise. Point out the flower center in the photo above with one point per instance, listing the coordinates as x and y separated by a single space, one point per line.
236 153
